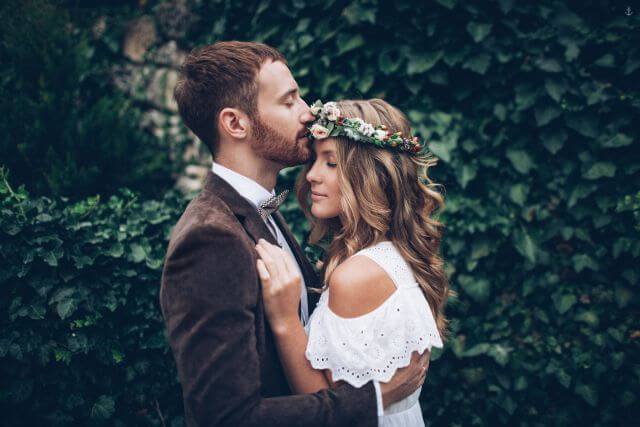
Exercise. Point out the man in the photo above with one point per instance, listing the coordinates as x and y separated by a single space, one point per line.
241 100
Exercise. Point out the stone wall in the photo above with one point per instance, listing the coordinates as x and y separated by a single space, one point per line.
152 54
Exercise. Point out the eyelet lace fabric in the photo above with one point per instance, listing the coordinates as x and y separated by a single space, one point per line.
373 346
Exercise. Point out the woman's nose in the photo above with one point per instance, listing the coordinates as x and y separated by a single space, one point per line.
312 176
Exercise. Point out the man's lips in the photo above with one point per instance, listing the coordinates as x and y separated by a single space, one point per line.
303 134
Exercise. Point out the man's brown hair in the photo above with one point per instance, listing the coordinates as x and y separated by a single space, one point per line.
218 76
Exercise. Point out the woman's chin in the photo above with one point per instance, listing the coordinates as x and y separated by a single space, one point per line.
315 211
320 213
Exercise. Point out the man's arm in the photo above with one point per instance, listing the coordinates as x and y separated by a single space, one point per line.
210 292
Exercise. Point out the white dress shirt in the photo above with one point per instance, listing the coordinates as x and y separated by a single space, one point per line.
255 193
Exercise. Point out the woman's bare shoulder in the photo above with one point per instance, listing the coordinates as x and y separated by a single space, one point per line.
358 286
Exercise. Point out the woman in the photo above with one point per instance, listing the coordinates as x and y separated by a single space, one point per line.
385 287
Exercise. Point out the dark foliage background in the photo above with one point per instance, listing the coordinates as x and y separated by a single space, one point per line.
65 130
532 109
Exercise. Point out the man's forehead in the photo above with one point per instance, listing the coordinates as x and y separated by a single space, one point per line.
275 78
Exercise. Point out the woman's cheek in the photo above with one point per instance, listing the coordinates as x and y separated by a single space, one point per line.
335 205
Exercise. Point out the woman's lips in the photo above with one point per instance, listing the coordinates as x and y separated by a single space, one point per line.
317 197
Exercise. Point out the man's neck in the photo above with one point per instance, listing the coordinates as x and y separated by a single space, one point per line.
261 171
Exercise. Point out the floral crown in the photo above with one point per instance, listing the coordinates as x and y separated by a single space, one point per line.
329 122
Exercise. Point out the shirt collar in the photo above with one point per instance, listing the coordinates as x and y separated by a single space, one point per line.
246 187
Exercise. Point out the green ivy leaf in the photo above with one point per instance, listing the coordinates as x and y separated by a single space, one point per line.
478 31
449 4
606 60
600 170
500 354
585 124
563 302
421 63
526 95
588 393
442 149
544 115
348 43
518 193
477 350
387 64
365 83
305 40
478 63
478 289
563 378
65 308
619 140
467 174
553 139
116 250
549 65
571 52
500 112
582 261
520 160
524 244
138 253
555 88
589 317
103 408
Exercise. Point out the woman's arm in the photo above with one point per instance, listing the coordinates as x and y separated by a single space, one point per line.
281 283
358 286
291 341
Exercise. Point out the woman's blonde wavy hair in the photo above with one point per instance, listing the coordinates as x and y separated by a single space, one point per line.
386 195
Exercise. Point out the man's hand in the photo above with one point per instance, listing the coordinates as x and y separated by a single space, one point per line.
406 380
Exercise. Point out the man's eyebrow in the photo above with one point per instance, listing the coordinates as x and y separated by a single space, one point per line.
288 93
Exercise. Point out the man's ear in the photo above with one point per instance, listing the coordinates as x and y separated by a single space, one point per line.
234 123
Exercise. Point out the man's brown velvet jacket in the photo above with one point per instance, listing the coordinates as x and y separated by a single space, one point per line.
225 352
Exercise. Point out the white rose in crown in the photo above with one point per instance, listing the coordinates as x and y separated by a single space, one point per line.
331 111
367 129
380 134
319 131
315 109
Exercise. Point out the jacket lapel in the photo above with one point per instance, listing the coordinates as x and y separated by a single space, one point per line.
255 227
246 213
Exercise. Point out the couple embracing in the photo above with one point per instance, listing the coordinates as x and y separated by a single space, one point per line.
252 342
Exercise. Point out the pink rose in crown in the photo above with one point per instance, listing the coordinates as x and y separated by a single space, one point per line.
319 131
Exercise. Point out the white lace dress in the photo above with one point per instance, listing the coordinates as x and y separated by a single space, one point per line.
373 346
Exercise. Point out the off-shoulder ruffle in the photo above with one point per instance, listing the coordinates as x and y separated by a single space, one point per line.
373 346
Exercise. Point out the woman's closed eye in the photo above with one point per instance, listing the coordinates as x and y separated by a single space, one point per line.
332 165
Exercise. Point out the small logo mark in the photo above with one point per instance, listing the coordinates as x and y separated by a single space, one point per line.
628 11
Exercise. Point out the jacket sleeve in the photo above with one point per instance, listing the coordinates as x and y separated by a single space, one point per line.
208 297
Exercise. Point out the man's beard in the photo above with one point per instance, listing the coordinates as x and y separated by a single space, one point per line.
272 145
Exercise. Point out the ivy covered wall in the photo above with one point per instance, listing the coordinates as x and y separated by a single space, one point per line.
533 111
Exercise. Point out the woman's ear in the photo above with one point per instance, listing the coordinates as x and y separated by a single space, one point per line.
234 123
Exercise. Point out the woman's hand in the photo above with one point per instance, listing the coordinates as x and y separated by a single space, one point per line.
280 285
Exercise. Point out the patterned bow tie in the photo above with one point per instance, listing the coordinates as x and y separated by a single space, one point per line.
270 205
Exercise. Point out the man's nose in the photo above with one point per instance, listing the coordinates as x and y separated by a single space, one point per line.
306 115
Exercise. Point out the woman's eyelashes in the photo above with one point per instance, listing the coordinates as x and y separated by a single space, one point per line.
332 165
